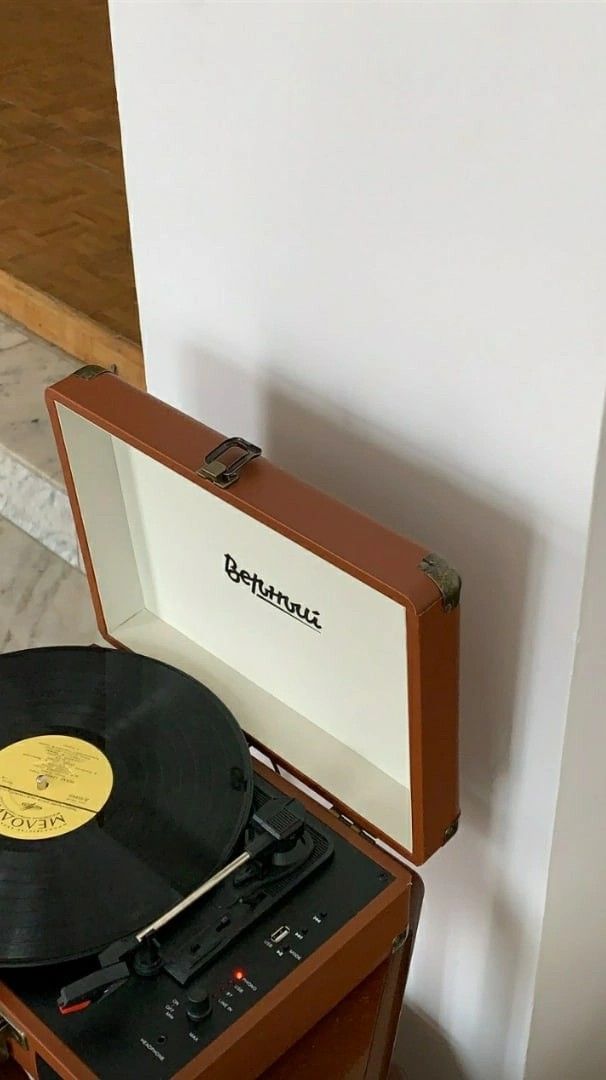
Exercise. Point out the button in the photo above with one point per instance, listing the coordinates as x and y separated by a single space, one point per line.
199 1005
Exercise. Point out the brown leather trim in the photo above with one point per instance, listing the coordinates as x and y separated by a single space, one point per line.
347 539
79 523
388 1016
339 534
434 743
338 1045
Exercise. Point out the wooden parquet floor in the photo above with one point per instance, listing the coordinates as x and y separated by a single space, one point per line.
63 214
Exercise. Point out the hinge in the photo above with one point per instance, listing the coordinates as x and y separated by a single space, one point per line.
91 371
9 1031
445 577
224 473
352 825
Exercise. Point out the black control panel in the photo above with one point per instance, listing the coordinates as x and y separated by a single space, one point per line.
152 1027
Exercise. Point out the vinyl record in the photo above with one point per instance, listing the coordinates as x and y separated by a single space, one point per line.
123 785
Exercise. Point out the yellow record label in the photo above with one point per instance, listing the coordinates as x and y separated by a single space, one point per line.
51 785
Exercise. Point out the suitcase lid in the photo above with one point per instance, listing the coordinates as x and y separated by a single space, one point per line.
333 640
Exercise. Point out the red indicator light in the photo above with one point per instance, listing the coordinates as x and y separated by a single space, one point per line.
239 974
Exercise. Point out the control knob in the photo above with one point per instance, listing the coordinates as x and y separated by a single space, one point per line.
199 1004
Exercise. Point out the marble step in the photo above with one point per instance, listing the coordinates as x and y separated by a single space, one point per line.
43 601
32 492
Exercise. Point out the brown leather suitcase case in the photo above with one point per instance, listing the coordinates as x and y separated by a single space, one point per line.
181 532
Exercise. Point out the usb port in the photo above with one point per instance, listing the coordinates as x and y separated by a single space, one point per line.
279 934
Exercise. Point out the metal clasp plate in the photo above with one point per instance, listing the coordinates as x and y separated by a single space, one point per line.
221 472
9 1031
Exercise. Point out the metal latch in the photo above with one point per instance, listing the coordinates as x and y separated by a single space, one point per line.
224 473
445 577
9 1031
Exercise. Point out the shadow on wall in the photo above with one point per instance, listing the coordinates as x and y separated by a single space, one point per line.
499 557
334 452
492 549
436 1062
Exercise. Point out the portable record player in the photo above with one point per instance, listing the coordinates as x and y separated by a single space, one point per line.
231 792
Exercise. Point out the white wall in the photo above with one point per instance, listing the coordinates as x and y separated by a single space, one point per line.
368 235
568 1033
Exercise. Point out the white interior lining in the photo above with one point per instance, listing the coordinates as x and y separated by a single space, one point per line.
331 701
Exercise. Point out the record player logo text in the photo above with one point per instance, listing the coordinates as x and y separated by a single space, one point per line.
272 596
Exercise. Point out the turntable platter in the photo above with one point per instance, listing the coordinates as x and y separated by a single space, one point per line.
123 784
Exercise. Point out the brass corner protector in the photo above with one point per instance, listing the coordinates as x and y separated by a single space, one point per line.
445 577
91 371
400 941
451 830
